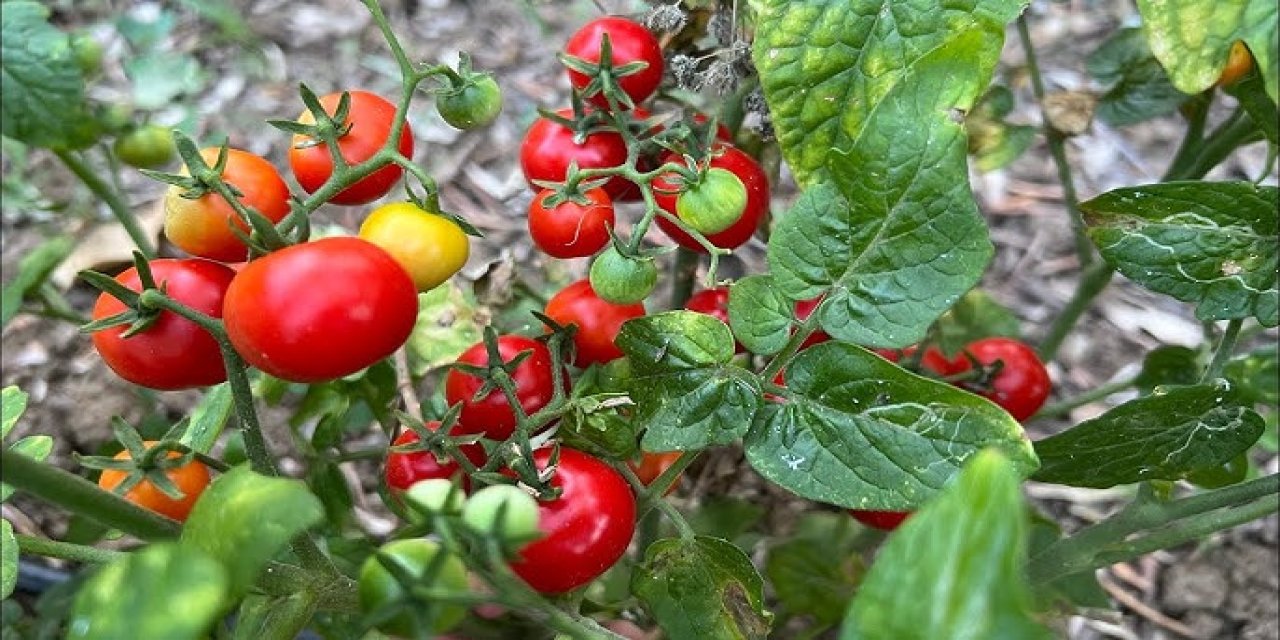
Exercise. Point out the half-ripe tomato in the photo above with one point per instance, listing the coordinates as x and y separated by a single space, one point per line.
753 178
370 119
190 478
585 530
571 229
715 303
202 227
1021 385
428 245
320 310
652 465
173 353
882 520
549 147
629 42
404 469
598 321
492 415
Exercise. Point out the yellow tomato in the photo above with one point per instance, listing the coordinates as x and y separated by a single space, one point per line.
429 246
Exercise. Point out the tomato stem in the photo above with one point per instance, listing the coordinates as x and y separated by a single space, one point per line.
1092 282
65 550
119 209
683 273
1093 395
1226 347
655 501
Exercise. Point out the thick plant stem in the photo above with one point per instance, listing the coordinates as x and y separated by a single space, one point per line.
686 269
119 209
1226 347
65 550
80 496
1092 282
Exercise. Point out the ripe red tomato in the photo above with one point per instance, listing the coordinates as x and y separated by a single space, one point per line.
585 530
715 303
722 132
598 321
191 479
1022 384
320 310
571 229
932 360
804 309
173 353
652 465
370 119
404 469
629 42
491 415
549 147
752 177
202 227
883 520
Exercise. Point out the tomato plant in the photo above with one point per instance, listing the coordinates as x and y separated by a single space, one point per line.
474 104
421 561
575 227
748 172
203 226
366 129
652 465
428 245
597 321
490 414
715 303
630 44
549 147
190 479
712 203
320 310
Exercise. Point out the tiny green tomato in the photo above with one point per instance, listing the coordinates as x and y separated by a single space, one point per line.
419 559
504 510
437 495
475 104
622 279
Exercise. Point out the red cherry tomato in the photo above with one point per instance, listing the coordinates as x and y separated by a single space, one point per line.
202 227
715 303
932 360
883 520
370 119
753 178
320 310
570 229
722 132
1022 384
405 469
173 353
629 42
549 147
598 321
585 530
804 309
491 415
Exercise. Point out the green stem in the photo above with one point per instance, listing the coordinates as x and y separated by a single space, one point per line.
656 502
686 268
1196 111
1238 129
1226 347
789 350
65 550
1092 282
80 496
112 198
1092 395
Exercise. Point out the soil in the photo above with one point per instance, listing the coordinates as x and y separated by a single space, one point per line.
1226 588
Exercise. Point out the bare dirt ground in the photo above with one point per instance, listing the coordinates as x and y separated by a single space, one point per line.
1225 588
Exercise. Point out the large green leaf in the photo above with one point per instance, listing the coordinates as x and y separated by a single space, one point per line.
1163 436
1139 87
703 588
41 88
1212 244
1192 38
860 432
244 519
13 401
954 570
687 393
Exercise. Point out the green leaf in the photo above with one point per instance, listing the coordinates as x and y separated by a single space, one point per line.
862 433
817 571
1192 38
13 402
35 447
328 482
1163 436
827 66
1076 590
163 591
447 325
955 569
703 588
977 315
1212 244
1168 365
725 517
244 519
1139 87
994 143
1256 377
8 560
687 393
33 270
160 77
41 90
208 418
759 315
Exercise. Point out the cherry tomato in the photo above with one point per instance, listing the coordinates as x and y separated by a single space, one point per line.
715 303
491 415
883 520
320 310
932 360
714 203
571 229
622 279
147 147
404 469
202 227
804 309
379 588
87 52
629 42
1020 386
474 104
549 147
585 530
429 246
747 171
190 478
1239 63
652 465
598 321
173 353
370 119
722 132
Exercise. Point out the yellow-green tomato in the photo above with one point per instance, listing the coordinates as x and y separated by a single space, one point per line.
714 203
379 587
435 495
429 246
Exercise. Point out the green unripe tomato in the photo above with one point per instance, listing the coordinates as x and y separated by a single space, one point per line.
622 280
475 104
88 53
379 587
714 203
437 495
114 118
147 147
505 511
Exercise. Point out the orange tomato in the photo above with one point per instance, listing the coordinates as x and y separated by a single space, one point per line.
202 227
190 478
652 465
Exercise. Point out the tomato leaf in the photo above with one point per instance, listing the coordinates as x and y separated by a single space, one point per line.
977 315
702 588
855 432
954 569
759 314
1212 244
137 596
1139 87
446 326
1252 94
1256 376
1163 436
33 270
41 89
687 393
8 560
1075 590
13 402
994 143
817 571
1192 38
208 418
244 519
1168 365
